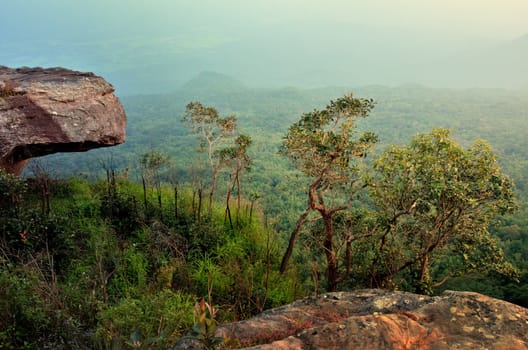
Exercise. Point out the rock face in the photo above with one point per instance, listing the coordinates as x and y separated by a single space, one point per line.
376 319
44 111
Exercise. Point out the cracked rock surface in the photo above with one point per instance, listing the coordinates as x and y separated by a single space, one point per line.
44 111
379 319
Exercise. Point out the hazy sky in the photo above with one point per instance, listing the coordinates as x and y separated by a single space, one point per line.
112 35
481 18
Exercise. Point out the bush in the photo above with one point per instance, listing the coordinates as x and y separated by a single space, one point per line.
33 312
12 190
155 321
122 210
21 313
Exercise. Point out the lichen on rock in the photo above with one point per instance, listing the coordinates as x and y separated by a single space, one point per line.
379 319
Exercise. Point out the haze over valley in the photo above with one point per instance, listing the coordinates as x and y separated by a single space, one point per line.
156 47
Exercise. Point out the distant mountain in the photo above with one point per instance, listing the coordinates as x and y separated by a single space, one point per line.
272 61
513 56
501 65
477 64
522 41
211 82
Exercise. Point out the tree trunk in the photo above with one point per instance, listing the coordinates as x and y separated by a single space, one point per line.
144 193
228 210
422 284
239 195
160 204
348 256
194 205
331 262
176 202
213 190
158 192
293 237
251 212
199 205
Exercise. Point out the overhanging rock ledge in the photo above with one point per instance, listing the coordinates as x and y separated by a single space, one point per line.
49 110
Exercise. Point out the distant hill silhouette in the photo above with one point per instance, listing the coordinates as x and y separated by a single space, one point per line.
481 64
508 62
523 40
213 81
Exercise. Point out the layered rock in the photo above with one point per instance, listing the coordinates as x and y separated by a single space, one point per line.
44 111
376 319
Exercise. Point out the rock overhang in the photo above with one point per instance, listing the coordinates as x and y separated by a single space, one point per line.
50 110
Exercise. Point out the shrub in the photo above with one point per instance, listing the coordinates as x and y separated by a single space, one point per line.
33 312
154 320
122 210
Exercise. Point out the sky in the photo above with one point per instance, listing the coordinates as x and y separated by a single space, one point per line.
504 19
271 42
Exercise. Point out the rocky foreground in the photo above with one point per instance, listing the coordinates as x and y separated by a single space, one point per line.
378 319
43 111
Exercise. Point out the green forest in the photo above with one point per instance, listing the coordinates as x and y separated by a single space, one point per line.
228 200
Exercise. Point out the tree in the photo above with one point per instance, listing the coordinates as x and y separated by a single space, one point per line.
434 197
43 181
324 145
152 162
241 161
12 191
212 130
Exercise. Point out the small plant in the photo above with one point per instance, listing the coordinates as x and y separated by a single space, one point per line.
205 326
8 88
151 321
6 91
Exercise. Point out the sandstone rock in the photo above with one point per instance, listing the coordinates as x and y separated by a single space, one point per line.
376 319
43 111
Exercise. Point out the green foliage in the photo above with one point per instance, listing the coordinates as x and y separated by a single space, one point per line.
130 277
22 315
322 144
208 125
99 266
93 261
215 135
122 210
434 197
12 190
152 161
239 273
153 321
205 326
283 289
33 310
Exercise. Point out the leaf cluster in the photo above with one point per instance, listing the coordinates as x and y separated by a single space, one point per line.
207 124
323 140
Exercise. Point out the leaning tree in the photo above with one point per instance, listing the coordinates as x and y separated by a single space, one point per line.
326 147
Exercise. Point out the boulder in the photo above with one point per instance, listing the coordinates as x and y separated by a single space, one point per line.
378 319
44 111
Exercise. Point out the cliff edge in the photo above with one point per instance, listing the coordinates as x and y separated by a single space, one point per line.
379 319
44 111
